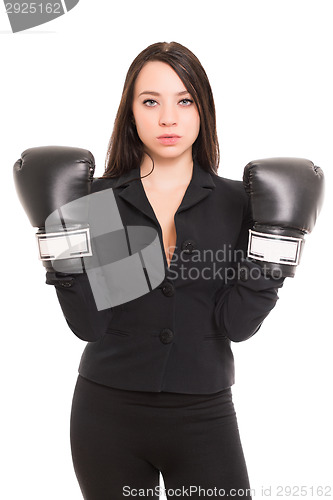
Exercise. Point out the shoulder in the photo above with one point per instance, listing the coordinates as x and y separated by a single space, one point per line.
233 190
234 195
99 184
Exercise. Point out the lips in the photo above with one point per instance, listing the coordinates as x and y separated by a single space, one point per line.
168 139
167 136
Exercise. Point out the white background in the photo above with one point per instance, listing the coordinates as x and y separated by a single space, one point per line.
270 67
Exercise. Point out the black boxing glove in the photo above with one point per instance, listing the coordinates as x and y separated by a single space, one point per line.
47 180
286 195
57 190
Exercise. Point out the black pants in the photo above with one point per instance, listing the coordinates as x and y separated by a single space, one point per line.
121 441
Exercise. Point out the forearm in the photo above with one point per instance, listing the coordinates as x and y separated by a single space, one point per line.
241 307
78 306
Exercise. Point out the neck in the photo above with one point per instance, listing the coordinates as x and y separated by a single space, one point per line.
168 173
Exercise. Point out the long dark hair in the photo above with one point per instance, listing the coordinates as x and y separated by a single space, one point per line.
125 149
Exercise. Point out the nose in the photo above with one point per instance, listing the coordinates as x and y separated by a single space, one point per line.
168 116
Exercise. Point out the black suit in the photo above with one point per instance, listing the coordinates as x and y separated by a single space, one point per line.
176 338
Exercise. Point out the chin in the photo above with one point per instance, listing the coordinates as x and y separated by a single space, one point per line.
171 151
167 152
170 156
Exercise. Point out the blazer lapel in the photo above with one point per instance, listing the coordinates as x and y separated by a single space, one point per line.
200 186
133 192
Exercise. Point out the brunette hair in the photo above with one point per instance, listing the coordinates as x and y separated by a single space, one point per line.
125 148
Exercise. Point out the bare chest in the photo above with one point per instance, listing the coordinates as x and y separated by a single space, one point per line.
165 205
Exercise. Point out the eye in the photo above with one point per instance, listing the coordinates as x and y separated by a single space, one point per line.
187 102
149 103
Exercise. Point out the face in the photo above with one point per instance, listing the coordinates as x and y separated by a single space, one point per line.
166 117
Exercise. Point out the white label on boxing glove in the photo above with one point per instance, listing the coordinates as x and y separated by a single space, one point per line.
64 245
274 248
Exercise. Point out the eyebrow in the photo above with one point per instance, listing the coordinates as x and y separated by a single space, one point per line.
151 92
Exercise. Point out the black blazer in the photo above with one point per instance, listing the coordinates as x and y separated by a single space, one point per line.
177 337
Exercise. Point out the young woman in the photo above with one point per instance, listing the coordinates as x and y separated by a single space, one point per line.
153 393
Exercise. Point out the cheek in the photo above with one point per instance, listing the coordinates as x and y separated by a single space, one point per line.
194 122
143 122
198 123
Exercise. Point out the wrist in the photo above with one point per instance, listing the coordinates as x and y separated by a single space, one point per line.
59 279
257 275
277 251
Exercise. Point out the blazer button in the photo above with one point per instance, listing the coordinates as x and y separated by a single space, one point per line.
166 336
244 274
168 289
66 284
188 246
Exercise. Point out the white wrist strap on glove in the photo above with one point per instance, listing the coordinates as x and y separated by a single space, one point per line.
274 248
64 244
